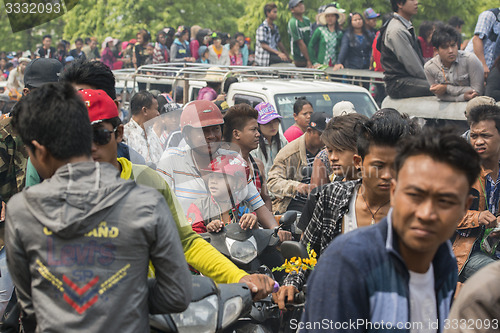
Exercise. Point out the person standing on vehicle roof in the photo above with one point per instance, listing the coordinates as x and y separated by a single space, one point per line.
182 168
455 76
400 274
290 175
486 38
268 46
299 30
345 206
108 133
401 56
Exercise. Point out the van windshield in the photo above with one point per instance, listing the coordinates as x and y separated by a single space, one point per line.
323 102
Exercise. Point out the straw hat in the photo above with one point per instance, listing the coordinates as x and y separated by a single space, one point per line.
214 74
331 10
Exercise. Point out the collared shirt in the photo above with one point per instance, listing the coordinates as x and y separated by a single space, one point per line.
179 169
492 189
465 74
486 22
299 30
326 222
144 142
269 35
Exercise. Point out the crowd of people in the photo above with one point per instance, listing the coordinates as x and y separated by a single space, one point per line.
90 200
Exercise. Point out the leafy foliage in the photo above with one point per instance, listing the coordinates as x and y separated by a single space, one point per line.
123 18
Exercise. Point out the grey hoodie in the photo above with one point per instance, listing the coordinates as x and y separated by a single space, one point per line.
78 247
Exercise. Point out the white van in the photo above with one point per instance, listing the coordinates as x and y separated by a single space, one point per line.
282 93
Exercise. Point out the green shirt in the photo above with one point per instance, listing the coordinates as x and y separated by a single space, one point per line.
319 44
299 30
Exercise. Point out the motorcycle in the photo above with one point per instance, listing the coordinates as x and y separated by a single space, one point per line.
248 249
212 309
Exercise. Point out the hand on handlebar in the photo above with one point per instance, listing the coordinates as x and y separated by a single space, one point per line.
215 226
260 285
248 221
285 294
284 235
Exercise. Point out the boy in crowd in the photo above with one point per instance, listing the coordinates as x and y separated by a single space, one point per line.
400 274
80 208
484 137
241 130
226 180
290 175
346 206
299 29
401 56
454 76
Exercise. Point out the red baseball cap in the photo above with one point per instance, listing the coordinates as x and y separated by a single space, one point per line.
99 104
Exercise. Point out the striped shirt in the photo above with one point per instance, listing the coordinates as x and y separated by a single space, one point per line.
178 168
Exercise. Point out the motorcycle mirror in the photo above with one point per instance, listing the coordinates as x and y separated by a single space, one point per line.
288 218
290 249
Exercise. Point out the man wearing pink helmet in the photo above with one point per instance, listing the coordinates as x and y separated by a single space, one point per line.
182 168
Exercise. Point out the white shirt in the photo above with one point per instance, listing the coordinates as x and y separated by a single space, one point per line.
146 144
423 306
350 221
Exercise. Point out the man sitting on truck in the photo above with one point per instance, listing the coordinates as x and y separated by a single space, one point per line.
455 76
401 56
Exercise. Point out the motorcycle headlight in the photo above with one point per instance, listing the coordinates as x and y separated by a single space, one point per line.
232 310
243 252
199 317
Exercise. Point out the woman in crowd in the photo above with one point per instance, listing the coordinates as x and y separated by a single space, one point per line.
302 110
325 42
107 55
180 52
235 57
160 52
270 140
217 54
140 53
356 49
424 38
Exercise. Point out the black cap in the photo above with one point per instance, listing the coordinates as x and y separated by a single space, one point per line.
42 70
293 3
318 121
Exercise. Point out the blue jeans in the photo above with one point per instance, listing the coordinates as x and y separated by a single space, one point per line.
477 260
6 285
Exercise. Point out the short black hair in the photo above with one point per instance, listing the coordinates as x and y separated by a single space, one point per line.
395 3
299 104
229 81
442 145
238 34
485 112
269 7
141 99
236 117
93 73
78 40
444 34
46 36
386 128
456 22
56 116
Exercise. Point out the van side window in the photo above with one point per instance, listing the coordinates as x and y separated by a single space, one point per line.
250 100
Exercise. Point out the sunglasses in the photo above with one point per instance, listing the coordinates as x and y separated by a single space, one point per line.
102 136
